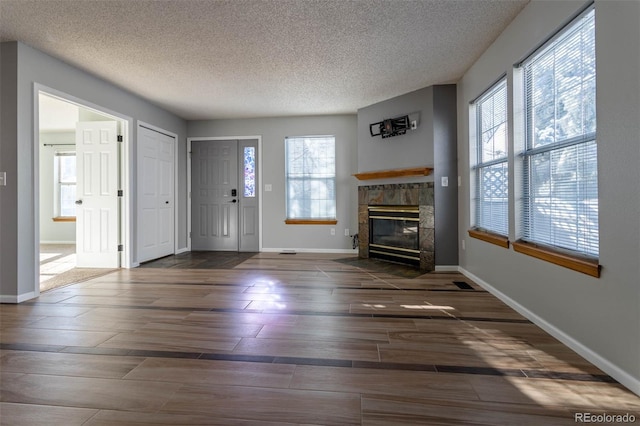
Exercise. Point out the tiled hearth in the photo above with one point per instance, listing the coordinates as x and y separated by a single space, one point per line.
403 194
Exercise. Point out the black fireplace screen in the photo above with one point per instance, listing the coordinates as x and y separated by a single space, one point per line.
394 233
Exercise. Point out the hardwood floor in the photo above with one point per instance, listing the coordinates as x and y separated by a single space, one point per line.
275 339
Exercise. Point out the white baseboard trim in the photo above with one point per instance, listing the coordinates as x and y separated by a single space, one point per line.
19 298
57 242
626 379
306 250
182 250
447 268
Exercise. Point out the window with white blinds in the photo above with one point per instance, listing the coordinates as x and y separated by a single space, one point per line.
560 159
65 184
310 177
491 168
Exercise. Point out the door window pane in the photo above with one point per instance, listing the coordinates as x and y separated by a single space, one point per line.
249 171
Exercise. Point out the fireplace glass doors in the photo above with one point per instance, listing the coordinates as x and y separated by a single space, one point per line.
394 233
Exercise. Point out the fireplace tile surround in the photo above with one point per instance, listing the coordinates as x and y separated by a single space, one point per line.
402 194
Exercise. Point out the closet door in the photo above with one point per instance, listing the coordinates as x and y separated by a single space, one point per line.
156 198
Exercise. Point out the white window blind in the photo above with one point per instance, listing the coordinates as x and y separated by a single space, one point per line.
560 159
310 177
65 184
491 169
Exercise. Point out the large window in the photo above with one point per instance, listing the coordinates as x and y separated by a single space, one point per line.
491 169
65 184
310 178
560 204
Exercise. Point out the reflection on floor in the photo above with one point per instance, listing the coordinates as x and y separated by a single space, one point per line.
288 340
58 267
56 259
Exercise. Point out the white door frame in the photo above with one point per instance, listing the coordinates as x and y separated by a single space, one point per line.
175 177
224 138
125 172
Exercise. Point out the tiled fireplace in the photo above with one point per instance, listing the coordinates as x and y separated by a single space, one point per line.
396 223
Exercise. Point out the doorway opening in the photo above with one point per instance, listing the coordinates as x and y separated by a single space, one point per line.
81 155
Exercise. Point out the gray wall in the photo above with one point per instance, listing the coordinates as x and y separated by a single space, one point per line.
413 149
600 318
432 144
276 234
445 153
21 68
9 164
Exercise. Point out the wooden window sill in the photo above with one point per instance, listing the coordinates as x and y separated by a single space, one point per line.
310 221
489 237
64 219
578 263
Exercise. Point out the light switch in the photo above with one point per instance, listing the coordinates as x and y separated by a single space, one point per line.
268 187
3 178
445 181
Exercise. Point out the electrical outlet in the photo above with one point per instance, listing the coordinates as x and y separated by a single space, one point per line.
445 181
346 232
3 178
268 187
332 231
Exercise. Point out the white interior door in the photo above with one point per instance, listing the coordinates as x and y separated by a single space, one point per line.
156 198
214 195
97 214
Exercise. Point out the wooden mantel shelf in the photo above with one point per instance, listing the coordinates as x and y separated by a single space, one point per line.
383 174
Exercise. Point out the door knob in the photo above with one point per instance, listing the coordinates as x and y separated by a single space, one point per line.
166 202
78 202
234 201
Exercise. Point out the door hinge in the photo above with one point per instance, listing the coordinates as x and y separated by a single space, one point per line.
120 247
120 139
120 193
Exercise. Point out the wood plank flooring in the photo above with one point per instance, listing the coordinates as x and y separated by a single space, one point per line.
275 339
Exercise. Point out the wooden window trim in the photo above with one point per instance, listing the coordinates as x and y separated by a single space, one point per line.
64 219
311 221
489 237
583 264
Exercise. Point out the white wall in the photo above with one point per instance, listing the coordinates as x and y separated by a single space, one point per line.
600 318
276 235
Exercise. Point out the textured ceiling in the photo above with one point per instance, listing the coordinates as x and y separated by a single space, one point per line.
204 59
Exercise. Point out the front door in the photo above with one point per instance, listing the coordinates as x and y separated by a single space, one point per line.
214 195
97 214
224 195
